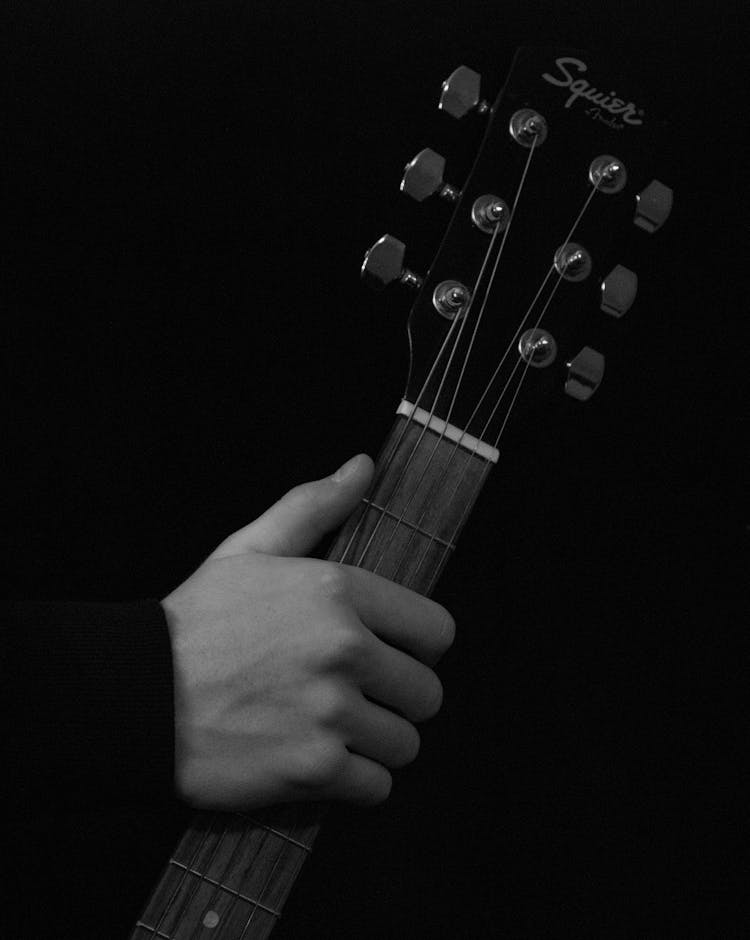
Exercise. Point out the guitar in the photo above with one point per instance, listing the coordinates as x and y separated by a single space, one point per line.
532 283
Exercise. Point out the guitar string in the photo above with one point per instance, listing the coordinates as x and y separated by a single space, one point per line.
404 429
467 357
202 876
378 478
464 320
479 482
454 492
267 834
270 876
220 879
436 484
469 455
185 871
476 445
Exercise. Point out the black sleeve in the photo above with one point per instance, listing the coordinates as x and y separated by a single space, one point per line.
91 703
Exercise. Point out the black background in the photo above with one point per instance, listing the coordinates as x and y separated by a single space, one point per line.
189 189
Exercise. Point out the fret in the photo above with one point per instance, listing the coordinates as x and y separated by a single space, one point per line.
224 887
240 867
202 909
408 525
407 528
243 858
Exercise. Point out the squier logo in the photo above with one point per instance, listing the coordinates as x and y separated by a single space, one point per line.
602 103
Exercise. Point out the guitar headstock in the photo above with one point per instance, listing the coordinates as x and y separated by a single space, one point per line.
549 233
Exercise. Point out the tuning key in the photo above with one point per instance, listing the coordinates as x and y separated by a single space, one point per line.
384 264
585 372
423 176
460 93
653 206
619 288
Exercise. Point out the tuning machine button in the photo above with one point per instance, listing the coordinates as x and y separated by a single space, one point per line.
653 206
384 264
619 288
423 176
585 372
460 93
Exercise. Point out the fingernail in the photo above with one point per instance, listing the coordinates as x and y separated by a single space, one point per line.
346 470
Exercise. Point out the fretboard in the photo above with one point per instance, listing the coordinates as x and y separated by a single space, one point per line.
231 873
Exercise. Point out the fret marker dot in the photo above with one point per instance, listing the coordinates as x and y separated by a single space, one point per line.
211 919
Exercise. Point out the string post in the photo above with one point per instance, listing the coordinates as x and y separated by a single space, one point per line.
528 128
538 348
608 174
450 298
490 213
572 262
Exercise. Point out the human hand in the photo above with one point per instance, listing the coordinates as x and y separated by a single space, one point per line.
297 678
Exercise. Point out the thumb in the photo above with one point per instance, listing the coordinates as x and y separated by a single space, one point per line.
298 521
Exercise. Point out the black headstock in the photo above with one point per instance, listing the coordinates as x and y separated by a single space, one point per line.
572 148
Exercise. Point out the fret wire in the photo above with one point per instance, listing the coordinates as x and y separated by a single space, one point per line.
277 832
265 886
189 895
209 904
409 525
225 887
435 485
155 932
196 853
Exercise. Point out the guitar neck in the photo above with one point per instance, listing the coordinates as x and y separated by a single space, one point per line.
231 873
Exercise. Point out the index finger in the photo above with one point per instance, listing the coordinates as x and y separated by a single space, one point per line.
401 617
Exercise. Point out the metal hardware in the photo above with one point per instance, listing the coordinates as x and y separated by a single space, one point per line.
450 298
608 174
653 206
423 176
527 126
490 212
619 288
460 93
384 263
538 348
573 262
585 373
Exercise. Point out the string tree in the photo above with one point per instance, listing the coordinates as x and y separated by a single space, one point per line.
423 177
461 93
383 264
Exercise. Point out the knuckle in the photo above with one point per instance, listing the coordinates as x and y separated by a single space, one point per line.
331 704
333 581
319 764
347 647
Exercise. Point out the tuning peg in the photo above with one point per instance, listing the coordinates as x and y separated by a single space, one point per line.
585 372
423 176
384 263
619 288
653 206
460 93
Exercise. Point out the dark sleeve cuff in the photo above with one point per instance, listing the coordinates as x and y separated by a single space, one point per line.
92 703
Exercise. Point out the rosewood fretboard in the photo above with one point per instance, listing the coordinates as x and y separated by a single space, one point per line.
231 873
